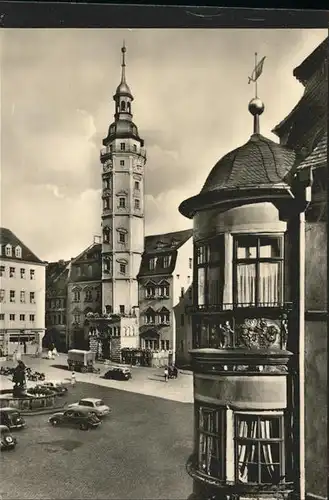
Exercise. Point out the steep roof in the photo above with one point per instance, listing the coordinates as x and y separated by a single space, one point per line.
306 69
7 236
318 157
160 245
166 242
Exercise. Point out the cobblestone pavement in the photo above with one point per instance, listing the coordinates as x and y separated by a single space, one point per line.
147 381
138 452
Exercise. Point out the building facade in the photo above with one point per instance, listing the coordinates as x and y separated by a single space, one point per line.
123 161
305 131
184 341
164 277
84 295
248 313
57 277
22 297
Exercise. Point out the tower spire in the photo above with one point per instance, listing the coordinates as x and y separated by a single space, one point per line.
123 64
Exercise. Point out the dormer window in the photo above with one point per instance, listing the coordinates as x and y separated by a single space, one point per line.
152 263
8 250
166 261
18 252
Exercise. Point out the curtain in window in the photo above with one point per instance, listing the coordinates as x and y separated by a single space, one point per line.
259 461
246 284
209 445
248 471
269 283
201 286
214 286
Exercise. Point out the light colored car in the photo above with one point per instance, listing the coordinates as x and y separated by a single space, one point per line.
95 405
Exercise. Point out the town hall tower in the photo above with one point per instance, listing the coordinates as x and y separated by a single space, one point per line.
123 161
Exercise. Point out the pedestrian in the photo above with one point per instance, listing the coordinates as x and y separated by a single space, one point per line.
50 354
73 379
55 353
166 374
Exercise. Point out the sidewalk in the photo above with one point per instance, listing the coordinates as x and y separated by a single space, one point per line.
147 381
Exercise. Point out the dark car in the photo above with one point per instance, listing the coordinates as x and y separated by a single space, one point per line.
7 441
75 418
118 374
11 418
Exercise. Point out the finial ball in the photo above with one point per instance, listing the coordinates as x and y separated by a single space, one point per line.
123 49
256 106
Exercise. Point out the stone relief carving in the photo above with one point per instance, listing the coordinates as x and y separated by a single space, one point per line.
257 333
107 165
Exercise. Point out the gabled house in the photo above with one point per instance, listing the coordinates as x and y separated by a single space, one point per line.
164 276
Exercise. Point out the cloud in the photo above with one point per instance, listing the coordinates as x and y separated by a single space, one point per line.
190 107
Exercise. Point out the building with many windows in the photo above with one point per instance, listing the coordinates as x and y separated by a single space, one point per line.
164 277
57 277
84 294
257 365
123 161
22 297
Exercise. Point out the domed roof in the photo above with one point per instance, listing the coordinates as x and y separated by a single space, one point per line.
123 88
256 170
258 162
122 127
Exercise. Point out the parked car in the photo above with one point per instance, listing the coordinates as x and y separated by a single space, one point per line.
83 419
118 373
95 405
57 387
7 440
11 418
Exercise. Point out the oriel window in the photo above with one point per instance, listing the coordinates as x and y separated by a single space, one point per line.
258 268
211 429
209 272
259 448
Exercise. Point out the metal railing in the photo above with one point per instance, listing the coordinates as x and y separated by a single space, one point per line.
107 152
227 307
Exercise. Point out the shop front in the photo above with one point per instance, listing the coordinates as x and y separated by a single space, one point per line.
21 342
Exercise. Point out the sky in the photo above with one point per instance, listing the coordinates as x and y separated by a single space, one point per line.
191 107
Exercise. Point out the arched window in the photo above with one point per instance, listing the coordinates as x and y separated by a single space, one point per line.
128 107
123 106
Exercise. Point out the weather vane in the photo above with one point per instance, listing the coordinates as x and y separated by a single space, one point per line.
258 70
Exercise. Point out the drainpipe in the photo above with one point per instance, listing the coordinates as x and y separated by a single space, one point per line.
305 180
